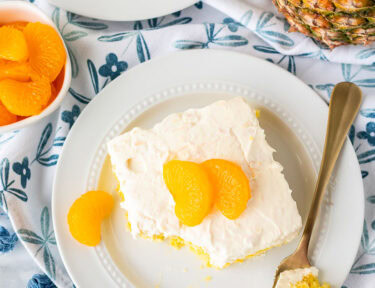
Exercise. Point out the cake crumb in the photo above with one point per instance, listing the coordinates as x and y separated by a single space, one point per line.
208 278
129 226
257 113
177 242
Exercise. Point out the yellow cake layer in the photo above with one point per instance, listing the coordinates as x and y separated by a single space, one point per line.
309 281
178 243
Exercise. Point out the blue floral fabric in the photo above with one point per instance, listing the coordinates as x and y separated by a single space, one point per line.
7 240
16 266
113 68
23 170
100 51
40 281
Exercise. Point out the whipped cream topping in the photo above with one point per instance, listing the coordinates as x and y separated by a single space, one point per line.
287 278
226 130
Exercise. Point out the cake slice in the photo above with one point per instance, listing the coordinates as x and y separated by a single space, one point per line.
223 130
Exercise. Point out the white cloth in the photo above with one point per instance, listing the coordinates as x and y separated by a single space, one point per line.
101 50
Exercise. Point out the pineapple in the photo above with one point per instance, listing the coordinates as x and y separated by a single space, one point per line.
332 22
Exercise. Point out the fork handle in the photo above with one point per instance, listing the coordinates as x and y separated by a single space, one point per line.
343 108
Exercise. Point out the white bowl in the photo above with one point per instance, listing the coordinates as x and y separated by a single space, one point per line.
11 11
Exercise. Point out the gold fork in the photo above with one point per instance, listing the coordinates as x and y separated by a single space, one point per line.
343 108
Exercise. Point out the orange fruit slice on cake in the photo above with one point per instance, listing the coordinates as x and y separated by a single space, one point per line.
47 52
231 185
191 189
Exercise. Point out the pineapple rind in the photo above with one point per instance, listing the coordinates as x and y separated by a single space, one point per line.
335 24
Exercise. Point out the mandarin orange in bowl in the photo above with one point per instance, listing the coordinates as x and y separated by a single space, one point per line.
35 70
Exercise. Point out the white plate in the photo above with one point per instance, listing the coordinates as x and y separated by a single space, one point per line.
123 10
294 118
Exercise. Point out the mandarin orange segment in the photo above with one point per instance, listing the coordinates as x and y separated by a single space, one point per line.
191 189
19 25
86 214
47 52
53 95
14 70
6 117
59 81
19 118
232 189
25 98
12 44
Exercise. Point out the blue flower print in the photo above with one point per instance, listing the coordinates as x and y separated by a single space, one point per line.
43 241
369 134
23 170
232 24
71 116
40 281
6 185
113 67
7 241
